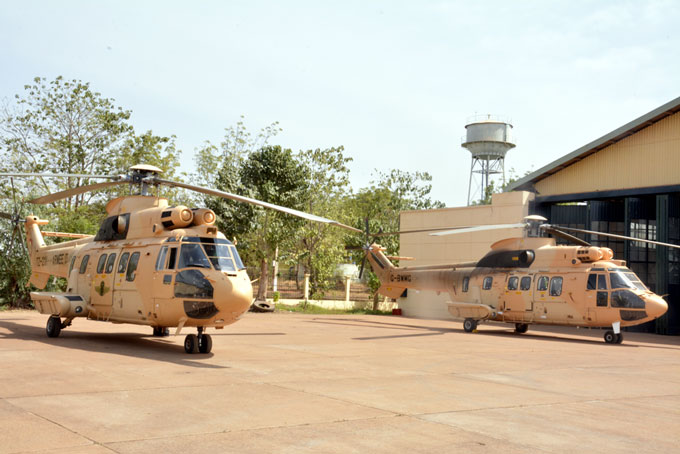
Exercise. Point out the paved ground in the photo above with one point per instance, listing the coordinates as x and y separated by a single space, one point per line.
342 384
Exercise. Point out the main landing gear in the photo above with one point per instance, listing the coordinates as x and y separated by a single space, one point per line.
198 344
161 331
521 328
611 337
469 325
55 325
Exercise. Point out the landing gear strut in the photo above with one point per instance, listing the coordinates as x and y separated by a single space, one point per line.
198 343
469 325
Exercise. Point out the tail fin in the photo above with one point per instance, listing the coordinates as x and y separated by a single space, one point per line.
35 242
384 268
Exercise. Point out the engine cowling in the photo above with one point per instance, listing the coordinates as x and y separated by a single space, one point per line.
176 217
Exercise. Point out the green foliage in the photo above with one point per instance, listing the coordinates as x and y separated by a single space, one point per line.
319 310
270 174
63 126
381 204
320 245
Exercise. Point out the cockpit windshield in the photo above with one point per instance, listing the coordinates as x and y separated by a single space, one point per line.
626 279
217 253
192 255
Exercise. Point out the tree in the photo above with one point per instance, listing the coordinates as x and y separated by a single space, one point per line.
381 204
272 175
64 126
238 143
321 245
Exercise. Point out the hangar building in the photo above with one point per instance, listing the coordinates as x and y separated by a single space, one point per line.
626 182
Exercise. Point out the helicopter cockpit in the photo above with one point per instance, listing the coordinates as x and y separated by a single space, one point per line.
200 252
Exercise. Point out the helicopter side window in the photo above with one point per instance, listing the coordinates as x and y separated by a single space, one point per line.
592 281
556 286
488 281
110 263
466 283
601 282
512 283
132 267
602 298
73 262
101 263
542 284
83 264
192 255
173 258
237 259
160 262
122 263
525 283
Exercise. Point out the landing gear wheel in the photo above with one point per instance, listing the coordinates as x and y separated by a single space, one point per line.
521 328
610 337
160 331
191 343
469 325
53 327
205 343
619 338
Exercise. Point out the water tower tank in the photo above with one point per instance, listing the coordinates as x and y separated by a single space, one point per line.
488 139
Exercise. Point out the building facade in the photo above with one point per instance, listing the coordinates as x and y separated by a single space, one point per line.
627 182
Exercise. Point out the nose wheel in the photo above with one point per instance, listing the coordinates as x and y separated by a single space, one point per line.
201 343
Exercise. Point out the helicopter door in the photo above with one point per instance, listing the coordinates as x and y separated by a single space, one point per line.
103 282
514 300
163 277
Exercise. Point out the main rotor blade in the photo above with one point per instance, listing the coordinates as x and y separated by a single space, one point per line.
239 198
401 232
622 237
564 235
75 191
60 175
480 228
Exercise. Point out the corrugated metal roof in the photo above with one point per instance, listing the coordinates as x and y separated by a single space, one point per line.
624 131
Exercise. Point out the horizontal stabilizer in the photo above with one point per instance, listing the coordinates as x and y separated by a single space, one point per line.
390 291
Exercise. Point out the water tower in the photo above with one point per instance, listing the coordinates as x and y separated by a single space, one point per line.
488 139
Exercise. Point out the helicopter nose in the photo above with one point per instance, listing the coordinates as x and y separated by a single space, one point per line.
655 306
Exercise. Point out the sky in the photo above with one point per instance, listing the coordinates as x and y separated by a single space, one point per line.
393 82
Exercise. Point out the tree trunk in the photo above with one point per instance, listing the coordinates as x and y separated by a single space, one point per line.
264 280
376 299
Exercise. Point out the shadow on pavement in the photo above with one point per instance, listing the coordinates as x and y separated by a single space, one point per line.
123 344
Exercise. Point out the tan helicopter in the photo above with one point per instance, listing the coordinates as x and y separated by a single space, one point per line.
531 280
149 264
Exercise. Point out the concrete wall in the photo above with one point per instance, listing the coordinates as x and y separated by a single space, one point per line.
506 208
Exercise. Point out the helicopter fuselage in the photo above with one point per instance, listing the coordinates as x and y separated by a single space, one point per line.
532 281
150 264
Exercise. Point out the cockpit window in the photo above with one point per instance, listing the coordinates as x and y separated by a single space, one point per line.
625 280
635 281
220 256
192 255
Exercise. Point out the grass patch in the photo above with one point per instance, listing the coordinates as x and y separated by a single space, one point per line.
318 310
